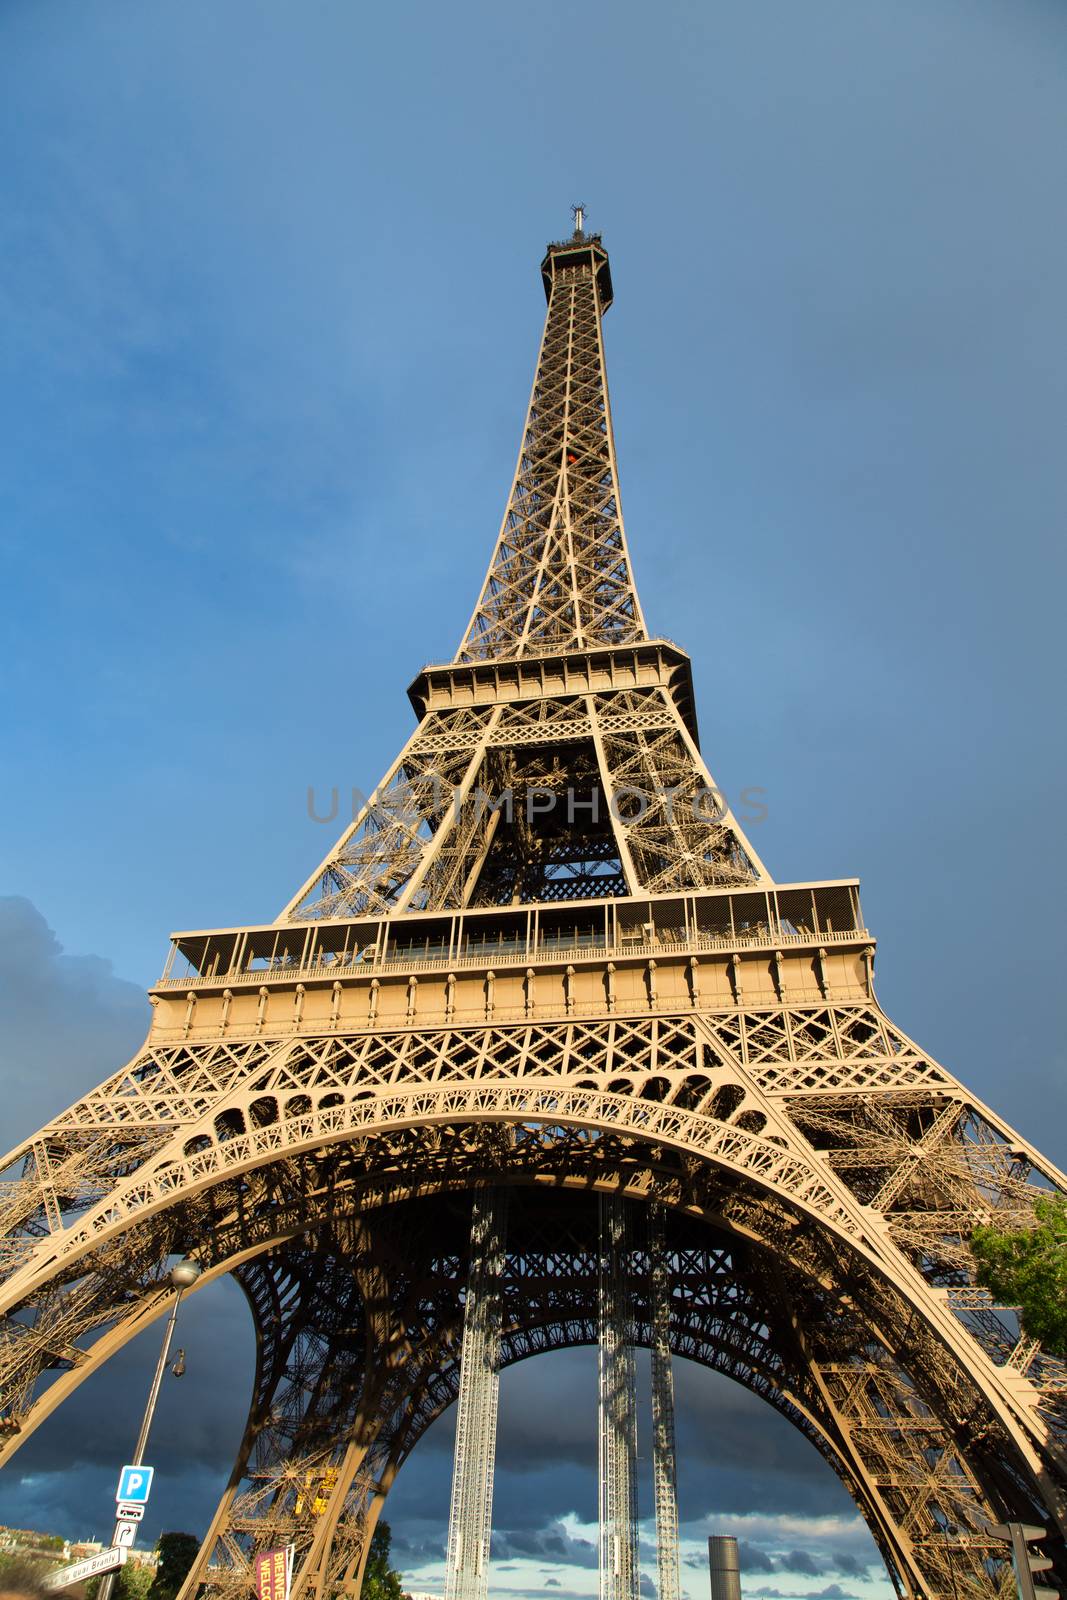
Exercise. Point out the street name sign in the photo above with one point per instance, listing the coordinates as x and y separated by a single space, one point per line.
104 1562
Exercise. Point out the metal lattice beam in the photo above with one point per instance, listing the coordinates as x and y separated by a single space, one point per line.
664 1455
619 1573
560 575
471 1514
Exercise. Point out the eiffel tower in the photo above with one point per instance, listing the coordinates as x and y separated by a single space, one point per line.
541 1055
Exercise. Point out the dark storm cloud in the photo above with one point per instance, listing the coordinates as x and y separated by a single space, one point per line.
551 1543
843 1548
68 1021
737 1455
413 1547
63 1478
801 1561
851 1566
752 1557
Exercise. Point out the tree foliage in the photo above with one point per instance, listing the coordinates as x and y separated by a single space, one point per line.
1028 1268
177 1552
132 1582
380 1580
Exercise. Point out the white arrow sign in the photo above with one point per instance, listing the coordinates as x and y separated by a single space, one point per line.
104 1562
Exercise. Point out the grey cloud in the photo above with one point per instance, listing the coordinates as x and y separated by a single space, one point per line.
199 1417
800 1561
832 1591
551 1543
752 1557
69 1021
63 1478
550 1422
414 1549
850 1566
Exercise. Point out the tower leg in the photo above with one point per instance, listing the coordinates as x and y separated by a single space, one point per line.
663 1444
618 1412
471 1515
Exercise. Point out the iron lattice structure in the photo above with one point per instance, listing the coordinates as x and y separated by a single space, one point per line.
471 1515
545 959
617 1411
664 1455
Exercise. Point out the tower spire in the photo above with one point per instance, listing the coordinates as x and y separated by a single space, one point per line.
514 790
560 577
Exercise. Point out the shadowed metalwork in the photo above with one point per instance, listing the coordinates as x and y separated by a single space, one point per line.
471 1514
545 959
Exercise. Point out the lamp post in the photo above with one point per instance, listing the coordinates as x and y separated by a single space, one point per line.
182 1276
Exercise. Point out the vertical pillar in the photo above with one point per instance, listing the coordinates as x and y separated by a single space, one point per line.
618 1412
471 1515
663 1444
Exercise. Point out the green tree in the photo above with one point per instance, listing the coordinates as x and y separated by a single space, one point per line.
1028 1268
135 1582
131 1583
177 1552
380 1581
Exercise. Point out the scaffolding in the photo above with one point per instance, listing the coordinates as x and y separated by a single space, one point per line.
619 1575
664 1475
471 1515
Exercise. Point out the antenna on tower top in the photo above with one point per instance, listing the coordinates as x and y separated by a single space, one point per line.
578 213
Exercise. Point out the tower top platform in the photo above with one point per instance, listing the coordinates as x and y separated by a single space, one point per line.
580 250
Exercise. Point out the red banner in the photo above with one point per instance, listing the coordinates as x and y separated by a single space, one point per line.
274 1569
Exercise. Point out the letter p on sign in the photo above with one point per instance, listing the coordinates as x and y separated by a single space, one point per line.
134 1484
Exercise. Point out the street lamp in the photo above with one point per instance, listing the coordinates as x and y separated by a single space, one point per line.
183 1275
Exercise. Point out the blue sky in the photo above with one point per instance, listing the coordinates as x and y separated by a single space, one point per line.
271 303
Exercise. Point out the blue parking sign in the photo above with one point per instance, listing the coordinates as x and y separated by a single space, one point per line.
134 1484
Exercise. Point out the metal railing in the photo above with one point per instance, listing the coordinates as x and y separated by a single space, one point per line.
546 950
